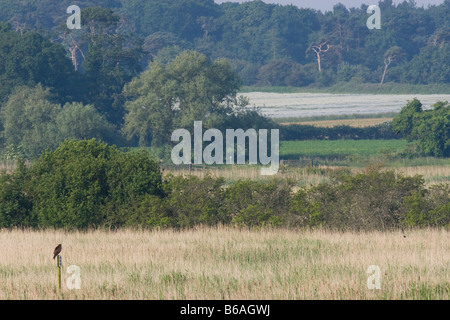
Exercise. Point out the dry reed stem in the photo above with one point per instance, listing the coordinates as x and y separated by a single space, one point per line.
226 263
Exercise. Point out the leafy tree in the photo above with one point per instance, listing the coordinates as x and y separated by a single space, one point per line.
28 119
82 183
111 61
284 73
29 59
76 121
431 128
190 88
404 122
16 203
33 122
431 65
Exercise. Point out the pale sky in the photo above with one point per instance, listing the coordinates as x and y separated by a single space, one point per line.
327 5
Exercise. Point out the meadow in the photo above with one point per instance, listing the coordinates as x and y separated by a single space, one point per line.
307 175
339 148
226 263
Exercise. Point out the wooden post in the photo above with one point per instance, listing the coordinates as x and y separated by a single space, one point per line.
59 265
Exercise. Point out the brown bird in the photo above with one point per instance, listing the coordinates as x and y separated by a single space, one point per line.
57 251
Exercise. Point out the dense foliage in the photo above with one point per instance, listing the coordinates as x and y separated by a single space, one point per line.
82 184
268 44
431 128
86 184
190 88
138 69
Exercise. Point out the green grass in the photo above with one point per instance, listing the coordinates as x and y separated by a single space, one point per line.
358 88
358 153
339 148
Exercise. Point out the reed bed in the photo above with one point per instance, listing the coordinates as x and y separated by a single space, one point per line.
226 263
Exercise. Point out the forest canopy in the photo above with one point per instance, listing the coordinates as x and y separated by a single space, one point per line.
255 37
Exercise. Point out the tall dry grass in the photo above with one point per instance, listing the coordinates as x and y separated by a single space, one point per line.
432 174
226 263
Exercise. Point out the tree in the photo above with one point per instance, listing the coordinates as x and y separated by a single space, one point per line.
320 49
431 65
15 198
29 59
82 183
33 122
189 88
111 61
28 120
430 128
283 73
76 121
393 54
403 123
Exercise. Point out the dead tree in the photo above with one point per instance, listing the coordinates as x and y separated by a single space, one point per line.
319 50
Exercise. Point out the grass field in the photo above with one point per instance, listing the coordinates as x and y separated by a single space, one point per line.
432 174
339 148
226 263
357 88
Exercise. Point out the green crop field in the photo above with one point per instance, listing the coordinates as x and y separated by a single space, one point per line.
339 148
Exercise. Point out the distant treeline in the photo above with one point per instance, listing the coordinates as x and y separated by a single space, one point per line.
87 184
268 44
309 132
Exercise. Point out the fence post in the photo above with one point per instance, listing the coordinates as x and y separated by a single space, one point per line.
59 265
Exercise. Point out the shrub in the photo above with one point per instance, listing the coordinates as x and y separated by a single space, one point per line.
148 211
74 184
192 201
15 204
430 208
373 200
258 203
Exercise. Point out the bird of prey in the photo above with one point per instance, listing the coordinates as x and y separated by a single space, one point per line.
57 251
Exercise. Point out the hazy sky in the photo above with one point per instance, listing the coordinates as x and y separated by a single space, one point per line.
328 4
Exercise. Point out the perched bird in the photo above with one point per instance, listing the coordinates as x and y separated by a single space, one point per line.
57 251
